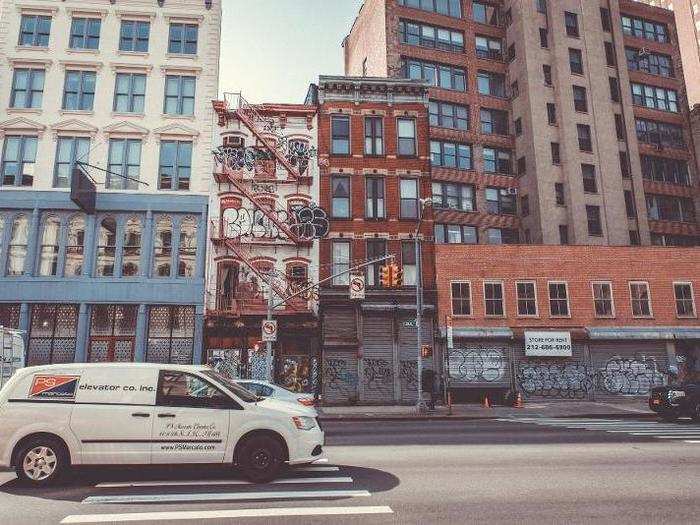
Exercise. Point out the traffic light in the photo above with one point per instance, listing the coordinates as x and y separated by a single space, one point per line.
386 276
426 351
397 281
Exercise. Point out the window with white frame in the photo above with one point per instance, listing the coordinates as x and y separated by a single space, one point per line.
527 298
603 299
374 193
558 299
340 262
17 249
340 196
685 300
461 297
374 136
640 299
408 189
406 131
50 242
493 298
408 263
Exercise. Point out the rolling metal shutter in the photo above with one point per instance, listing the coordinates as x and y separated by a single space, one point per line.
551 377
628 368
339 376
378 367
339 326
474 364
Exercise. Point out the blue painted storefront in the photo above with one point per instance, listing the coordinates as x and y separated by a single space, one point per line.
142 290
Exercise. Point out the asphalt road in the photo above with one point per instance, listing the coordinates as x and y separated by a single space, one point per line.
488 471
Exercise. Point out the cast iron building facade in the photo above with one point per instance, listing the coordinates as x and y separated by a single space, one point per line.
123 88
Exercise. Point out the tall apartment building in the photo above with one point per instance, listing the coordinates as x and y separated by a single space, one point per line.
263 215
551 122
120 91
687 14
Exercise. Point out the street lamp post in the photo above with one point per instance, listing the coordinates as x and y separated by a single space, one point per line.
423 203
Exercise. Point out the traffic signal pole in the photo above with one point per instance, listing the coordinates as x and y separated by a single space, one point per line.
422 204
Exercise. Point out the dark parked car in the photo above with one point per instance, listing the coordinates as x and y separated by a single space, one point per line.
674 401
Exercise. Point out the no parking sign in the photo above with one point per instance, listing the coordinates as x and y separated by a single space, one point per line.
269 331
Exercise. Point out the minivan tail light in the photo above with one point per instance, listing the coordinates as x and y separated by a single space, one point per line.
306 401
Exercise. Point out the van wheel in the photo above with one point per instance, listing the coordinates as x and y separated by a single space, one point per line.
41 461
260 458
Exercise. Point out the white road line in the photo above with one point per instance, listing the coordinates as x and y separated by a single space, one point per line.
179 483
316 469
224 514
680 436
692 441
6 477
226 496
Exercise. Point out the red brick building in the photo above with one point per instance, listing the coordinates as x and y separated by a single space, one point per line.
374 181
626 315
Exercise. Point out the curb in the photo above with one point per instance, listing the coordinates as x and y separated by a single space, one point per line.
350 418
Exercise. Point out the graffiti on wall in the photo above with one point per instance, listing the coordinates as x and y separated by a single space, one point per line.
630 376
338 378
409 376
236 158
306 222
377 376
570 380
237 363
295 373
481 365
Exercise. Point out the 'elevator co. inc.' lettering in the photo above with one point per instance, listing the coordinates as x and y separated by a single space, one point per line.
115 388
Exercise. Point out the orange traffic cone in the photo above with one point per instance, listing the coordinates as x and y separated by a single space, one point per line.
519 401
486 403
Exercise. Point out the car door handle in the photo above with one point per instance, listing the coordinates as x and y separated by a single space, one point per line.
140 414
166 415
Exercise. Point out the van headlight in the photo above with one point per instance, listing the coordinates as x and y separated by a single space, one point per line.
304 422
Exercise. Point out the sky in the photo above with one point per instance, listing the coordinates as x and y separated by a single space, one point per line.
271 50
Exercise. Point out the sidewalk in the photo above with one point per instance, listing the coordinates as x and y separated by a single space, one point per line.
622 408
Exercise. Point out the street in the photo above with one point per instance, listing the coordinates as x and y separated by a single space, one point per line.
531 470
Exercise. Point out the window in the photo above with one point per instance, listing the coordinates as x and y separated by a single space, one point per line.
416 34
605 20
406 130
376 248
50 241
18 157
493 299
112 332
518 126
525 205
85 33
664 169
609 54
446 115
514 89
634 238
556 155
641 28
502 236
340 135
179 95
124 164
75 247
630 208
179 389
669 208
595 226
588 175
79 91
163 247
522 166
500 201
547 74
451 155
640 299
494 121
584 137
614 89
541 6
340 197
175 165
649 62
131 252
187 255
485 14
674 240
543 38
69 150
27 88
52 334
455 234
440 75
444 7
453 196
374 206
183 39
170 334
106 247
580 101
17 249
34 30
559 194
408 263
129 93
497 160
558 299
340 254
551 113
133 36
492 84
510 53
655 97
603 299
563 234
488 48
374 136
571 24
527 298
624 165
685 302
409 198
461 298
575 61
660 133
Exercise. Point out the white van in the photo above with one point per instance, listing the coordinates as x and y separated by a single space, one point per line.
57 416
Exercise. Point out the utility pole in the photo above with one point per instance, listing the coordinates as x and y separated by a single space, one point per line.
422 204
268 351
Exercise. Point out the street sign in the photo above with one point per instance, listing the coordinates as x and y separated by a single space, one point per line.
357 287
269 331
411 323
450 334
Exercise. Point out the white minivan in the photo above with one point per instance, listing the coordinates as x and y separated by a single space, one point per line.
57 416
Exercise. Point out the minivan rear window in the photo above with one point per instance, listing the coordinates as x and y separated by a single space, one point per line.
234 387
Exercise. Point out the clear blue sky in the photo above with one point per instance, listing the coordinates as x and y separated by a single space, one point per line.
271 50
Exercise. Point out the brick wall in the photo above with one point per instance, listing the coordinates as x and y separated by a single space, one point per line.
367 41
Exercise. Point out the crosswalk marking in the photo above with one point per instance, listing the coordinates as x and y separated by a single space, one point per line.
225 496
178 483
226 514
692 441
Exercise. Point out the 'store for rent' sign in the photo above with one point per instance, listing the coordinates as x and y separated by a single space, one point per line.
548 344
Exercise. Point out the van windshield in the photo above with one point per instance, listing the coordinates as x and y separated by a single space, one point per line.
234 387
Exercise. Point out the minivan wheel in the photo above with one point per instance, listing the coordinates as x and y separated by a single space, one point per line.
260 458
41 461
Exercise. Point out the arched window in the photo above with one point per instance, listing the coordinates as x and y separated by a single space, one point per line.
163 247
132 247
50 240
17 250
75 246
106 247
188 247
